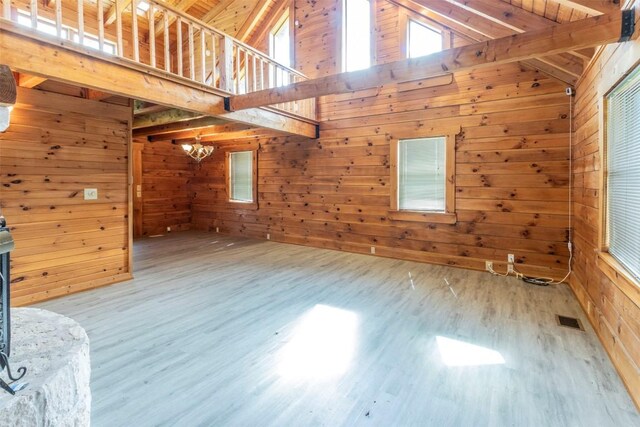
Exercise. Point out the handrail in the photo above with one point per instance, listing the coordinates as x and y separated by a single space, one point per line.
163 38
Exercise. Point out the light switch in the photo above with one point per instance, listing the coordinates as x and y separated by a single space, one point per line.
91 194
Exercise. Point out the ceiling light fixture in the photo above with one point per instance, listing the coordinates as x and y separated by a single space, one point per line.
198 151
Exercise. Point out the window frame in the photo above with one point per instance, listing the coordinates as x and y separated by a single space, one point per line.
405 17
342 67
607 263
449 215
254 166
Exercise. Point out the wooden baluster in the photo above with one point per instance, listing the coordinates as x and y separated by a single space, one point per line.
237 80
167 51
226 65
179 45
203 56
118 26
6 9
100 25
80 22
255 73
213 60
34 14
58 17
152 35
262 75
245 68
192 71
134 29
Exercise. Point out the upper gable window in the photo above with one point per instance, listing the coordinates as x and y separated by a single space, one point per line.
422 40
280 42
356 35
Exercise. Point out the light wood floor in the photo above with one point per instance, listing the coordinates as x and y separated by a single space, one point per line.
223 331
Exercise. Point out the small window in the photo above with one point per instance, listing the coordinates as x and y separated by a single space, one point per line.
422 40
622 176
421 174
356 35
241 184
422 179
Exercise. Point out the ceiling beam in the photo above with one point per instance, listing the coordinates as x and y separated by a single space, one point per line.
493 28
234 135
29 81
163 118
203 132
194 124
602 29
513 17
591 7
279 7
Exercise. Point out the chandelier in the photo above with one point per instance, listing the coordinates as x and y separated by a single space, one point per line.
198 151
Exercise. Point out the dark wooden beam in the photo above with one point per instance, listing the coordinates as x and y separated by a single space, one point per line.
203 132
187 125
588 32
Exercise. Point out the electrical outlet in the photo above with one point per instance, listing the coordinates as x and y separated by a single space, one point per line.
373 250
217 229
268 236
488 265
511 258
510 268
91 194
168 228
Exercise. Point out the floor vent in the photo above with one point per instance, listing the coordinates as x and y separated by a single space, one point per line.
569 322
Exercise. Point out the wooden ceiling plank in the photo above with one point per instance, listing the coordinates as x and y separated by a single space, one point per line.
591 7
269 21
253 19
602 29
216 10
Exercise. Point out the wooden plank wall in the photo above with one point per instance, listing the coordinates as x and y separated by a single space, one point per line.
512 164
166 196
613 309
56 146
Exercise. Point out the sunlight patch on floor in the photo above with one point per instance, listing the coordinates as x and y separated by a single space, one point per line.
322 347
460 353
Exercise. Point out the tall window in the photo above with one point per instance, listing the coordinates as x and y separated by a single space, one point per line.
623 173
241 185
421 174
356 35
422 40
280 50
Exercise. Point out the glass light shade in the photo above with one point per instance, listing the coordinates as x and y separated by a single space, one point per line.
5 118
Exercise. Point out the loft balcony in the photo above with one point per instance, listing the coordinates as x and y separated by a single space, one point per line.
158 54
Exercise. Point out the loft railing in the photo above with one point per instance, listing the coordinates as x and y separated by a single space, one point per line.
162 37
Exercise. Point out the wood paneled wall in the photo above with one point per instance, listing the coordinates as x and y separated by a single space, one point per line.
166 196
612 306
56 146
511 162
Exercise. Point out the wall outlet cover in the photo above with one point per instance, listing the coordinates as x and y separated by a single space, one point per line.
511 258
91 194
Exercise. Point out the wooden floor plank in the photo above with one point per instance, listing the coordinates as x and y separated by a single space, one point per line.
216 330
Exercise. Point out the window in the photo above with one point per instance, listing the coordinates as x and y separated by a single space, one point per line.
422 177
280 50
356 35
622 234
49 27
241 183
422 40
